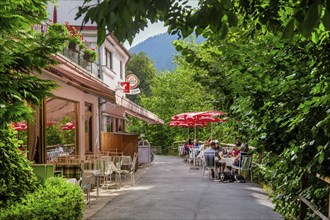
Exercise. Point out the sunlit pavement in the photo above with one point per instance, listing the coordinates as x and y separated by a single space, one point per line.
106 195
170 189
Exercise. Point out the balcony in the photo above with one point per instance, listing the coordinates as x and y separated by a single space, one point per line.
77 58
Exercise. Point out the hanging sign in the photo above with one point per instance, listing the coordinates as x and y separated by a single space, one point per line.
133 80
125 86
134 91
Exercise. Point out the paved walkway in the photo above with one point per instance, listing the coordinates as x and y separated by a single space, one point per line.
169 189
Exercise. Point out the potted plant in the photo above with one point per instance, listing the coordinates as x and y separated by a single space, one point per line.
58 29
76 43
90 55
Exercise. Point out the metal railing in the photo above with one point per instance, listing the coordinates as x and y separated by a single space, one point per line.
78 59
305 204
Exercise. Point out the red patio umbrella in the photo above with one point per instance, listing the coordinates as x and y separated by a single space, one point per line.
206 116
189 124
69 126
184 116
211 113
200 117
18 126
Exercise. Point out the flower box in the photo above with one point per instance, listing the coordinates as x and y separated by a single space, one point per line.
89 55
74 47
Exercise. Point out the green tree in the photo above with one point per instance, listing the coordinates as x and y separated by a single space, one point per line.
171 94
279 92
24 52
126 18
144 69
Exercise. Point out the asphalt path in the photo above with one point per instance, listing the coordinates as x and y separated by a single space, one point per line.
172 190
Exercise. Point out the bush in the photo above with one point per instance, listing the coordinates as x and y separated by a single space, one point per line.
16 175
56 199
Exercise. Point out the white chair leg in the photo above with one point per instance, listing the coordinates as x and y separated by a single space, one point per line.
133 180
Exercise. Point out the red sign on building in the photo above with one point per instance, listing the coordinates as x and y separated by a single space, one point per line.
126 86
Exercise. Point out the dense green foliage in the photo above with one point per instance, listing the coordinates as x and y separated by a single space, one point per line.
279 91
276 93
16 176
174 93
125 18
144 69
56 199
24 52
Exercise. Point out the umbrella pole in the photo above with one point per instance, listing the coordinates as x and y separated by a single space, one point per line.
195 132
211 132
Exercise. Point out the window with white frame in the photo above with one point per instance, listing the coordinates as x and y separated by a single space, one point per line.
121 70
108 59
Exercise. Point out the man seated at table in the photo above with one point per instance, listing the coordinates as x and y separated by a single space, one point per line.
211 157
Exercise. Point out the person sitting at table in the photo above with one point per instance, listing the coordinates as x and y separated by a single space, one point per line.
202 149
235 151
217 146
219 150
212 155
188 145
244 150
59 149
196 143
186 148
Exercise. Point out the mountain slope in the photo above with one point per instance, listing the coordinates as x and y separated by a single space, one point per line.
160 50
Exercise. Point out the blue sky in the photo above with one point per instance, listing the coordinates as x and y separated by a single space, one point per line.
153 29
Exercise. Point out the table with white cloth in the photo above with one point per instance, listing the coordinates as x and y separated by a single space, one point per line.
228 160
72 180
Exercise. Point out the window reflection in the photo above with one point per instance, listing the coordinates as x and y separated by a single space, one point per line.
88 127
61 117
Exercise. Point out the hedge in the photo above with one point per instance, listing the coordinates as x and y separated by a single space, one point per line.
56 199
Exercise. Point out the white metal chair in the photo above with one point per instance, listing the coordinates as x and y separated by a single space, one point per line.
131 170
126 162
85 183
209 163
107 175
117 170
245 163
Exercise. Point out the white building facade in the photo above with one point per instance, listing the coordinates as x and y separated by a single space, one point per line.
87 101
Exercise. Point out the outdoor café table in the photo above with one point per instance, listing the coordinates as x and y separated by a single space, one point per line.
97 175
69 170
228 160
72 180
